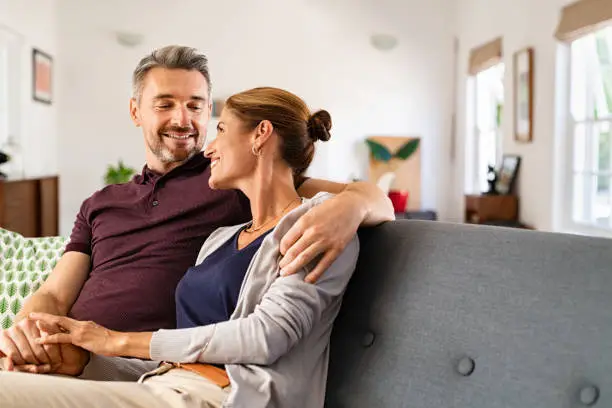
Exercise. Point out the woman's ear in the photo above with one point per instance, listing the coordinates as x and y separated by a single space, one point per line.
263 131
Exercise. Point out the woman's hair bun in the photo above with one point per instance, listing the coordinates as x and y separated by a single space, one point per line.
319 125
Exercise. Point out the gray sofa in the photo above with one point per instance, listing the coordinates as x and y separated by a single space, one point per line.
451 315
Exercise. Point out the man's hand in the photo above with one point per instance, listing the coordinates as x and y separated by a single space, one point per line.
18 346
324 230
72 360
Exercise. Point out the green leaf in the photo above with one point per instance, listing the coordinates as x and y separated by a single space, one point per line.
15 306
3 305
10 252
44 265
407 149
24 290
1 287
11 289
7 240
22 276
19 255
32 266
380 152
7 322
20 266
10 275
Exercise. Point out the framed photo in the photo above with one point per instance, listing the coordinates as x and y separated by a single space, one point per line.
507 174
523 95
42 69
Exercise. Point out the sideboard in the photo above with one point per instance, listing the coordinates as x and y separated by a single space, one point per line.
30 206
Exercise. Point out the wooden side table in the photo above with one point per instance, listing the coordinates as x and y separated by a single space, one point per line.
483 208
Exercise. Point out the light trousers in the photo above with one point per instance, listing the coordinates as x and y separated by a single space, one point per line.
176 388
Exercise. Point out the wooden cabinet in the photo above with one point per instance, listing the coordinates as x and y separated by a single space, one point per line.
30 206
485 208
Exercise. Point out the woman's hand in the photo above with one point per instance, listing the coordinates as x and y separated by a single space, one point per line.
87 335
93 337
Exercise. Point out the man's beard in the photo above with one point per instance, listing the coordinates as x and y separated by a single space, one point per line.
163 153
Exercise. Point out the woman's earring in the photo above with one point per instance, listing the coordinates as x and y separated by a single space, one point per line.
256 152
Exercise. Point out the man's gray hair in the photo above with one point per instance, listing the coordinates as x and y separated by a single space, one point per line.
170 57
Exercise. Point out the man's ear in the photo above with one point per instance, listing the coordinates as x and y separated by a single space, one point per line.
134 112
263 131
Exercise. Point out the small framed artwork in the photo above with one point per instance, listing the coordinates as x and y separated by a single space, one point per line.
508 172
523 95
42 67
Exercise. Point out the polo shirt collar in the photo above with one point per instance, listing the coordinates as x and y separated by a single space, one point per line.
197 161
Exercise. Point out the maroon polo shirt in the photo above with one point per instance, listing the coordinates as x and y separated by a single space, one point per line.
142 237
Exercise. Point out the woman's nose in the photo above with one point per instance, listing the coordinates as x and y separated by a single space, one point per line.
209 149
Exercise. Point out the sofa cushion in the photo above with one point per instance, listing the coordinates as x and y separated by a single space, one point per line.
24 265
451 315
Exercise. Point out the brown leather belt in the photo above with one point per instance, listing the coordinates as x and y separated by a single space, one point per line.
215 374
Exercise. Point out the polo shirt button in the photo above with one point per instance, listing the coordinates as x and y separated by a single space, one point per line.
155 203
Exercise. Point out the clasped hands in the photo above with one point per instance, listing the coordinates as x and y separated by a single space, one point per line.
21 350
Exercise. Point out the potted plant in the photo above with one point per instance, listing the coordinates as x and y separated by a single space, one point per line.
118 174
392 161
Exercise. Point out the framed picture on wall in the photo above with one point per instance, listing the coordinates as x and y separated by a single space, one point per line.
42 67
523 95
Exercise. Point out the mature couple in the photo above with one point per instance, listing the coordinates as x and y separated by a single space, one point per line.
208 280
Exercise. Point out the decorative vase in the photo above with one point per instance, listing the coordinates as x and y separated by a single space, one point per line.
399 200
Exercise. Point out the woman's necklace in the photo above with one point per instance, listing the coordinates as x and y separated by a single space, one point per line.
251 229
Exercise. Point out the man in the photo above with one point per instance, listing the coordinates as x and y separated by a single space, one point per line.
132 243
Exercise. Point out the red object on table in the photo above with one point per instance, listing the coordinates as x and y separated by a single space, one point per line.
399 200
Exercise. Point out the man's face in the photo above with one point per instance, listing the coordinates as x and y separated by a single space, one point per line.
173 111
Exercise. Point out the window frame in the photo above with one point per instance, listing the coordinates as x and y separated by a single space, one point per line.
568 223
473 156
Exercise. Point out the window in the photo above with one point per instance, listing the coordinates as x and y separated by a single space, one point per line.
590 139
486 100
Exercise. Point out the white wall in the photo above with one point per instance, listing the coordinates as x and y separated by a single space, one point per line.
521 23
318 49
35 23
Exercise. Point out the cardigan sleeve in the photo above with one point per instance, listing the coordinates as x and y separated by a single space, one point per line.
288 311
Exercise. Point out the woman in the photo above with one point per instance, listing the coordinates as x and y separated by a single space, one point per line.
247 336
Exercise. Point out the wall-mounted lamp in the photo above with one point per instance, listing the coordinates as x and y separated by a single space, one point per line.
128 39
383 42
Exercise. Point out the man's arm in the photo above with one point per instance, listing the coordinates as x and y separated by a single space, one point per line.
57 295
59 292
327 228
374 206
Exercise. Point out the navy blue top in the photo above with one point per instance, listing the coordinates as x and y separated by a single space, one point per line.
208 293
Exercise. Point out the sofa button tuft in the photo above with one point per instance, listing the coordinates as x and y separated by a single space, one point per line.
466 366
368 339
589 395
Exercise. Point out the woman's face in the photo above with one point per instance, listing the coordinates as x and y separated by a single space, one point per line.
231 154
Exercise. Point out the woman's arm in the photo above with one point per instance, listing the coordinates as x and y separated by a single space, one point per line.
287 313
93 337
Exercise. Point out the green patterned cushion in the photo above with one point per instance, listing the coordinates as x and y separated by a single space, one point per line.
25 263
